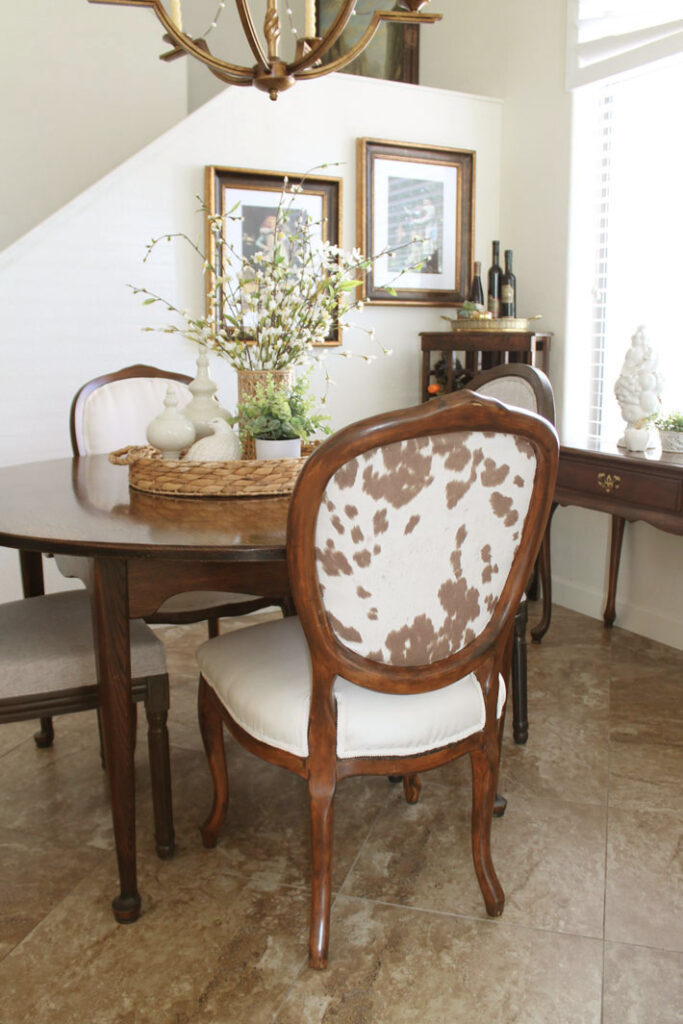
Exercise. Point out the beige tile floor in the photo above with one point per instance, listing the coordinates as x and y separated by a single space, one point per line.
590 853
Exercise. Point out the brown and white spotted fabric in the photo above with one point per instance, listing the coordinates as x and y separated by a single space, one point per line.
414 542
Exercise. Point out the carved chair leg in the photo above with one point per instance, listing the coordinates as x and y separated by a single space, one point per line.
103 761
322 817
541 627
484 772
211 728
156 708
45 735
520 718
411 788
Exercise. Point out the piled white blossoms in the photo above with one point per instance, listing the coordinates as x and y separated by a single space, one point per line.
269 309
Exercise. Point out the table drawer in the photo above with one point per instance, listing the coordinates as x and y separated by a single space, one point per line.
624 484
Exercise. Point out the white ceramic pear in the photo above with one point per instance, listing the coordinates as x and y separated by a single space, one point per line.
221 446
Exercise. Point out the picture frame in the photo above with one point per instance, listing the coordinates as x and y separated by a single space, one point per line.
257 195
394 53
415 202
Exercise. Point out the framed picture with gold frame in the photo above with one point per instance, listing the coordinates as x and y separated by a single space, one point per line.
251 199
415 205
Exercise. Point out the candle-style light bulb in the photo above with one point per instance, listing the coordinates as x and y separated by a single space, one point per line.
309 22
177 14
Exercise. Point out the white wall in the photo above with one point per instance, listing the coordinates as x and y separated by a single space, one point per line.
72 79
66 314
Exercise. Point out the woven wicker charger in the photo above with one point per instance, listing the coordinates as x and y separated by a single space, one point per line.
149 471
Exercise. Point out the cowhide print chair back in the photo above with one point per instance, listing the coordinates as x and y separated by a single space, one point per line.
410 538
524 387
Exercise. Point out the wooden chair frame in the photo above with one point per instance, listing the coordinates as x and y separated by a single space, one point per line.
486 656
545 407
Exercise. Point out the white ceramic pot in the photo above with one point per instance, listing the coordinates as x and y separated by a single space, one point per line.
672 440
290 449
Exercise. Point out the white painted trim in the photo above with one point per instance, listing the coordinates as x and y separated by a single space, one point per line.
665 629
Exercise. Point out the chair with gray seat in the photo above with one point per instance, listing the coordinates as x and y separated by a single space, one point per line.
47 667
522 387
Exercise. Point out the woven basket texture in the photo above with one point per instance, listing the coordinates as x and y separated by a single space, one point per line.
149 471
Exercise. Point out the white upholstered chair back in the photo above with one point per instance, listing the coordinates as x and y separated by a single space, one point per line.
517 385
415 541
513 391
118 413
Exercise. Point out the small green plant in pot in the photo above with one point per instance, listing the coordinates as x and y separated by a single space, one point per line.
671 432
280 416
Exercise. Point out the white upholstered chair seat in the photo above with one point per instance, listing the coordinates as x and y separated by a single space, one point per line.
47 645
262 675
197 600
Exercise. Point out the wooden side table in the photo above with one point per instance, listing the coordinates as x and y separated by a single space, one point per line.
628 486
483 349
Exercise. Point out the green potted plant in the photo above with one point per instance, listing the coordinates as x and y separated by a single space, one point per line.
279 417
671 432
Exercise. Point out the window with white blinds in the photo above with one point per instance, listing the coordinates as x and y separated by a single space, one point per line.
608 37
630 247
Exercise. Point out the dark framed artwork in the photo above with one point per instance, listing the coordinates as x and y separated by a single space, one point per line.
393 54
253 197
416 206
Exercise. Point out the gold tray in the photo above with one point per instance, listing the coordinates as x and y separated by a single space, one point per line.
148 471
503 323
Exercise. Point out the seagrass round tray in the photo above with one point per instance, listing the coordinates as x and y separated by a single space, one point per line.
149 471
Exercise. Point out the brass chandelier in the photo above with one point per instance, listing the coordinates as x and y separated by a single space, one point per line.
270 73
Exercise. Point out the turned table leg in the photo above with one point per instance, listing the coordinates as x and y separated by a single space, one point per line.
108 588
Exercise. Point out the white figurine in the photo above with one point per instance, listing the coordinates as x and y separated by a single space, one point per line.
170 431
221 446
638 391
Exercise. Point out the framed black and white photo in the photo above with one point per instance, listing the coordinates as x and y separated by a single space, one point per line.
416 208
249 200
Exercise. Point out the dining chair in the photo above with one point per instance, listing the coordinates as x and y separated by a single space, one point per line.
111 411
523 387
47 667
410 539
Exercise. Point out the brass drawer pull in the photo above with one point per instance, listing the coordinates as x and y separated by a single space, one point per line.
608 482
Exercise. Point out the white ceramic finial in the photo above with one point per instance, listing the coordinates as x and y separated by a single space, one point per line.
203 406
170 431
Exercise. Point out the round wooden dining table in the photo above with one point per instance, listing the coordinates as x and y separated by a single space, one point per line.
136 550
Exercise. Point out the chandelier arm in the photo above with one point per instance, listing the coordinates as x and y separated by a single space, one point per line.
250 33
346 58
330 38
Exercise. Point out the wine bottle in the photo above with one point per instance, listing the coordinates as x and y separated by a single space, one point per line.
495 282
508 291
476 291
